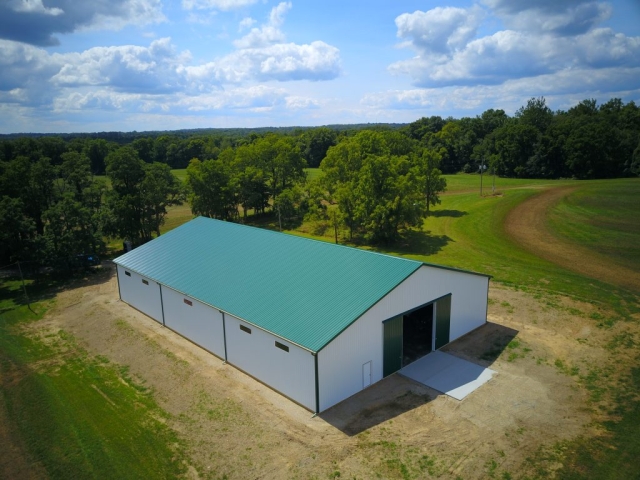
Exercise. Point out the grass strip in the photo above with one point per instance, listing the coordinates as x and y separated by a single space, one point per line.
74 415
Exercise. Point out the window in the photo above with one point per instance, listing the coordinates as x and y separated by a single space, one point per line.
128 274
245 329
282 346
188 302
146 282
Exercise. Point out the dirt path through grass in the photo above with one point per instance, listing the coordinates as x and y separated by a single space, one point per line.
526 224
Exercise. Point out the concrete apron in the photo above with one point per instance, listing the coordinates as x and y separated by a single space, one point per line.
445 373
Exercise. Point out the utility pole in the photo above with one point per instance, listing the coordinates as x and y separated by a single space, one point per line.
481 169
493 187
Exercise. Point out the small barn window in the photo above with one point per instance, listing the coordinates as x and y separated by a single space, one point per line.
245 329
188 302
282 346
128 274
146 282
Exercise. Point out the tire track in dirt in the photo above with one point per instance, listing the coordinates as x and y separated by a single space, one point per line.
526 224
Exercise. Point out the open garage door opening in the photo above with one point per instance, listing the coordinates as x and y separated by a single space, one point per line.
412 335
417 334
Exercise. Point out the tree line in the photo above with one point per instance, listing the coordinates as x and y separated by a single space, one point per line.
586 142
60 198
52 212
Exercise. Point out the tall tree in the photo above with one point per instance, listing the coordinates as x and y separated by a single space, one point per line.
433 182
126 172
75 171
315 143
159 189
17 231
212 191
97 151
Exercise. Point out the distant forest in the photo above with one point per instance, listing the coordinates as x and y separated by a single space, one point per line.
377 181
587 141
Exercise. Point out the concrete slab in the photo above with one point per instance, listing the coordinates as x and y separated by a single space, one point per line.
450 375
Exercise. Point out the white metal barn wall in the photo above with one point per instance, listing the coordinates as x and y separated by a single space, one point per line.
291 373
340 363
194 320
143 296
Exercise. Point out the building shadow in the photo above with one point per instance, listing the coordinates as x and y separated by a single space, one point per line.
483 345
383 401
397 394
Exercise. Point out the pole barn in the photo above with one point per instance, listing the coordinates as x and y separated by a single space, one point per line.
315 321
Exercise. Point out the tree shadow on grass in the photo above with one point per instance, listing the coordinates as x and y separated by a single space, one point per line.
447 213
46 286
417 242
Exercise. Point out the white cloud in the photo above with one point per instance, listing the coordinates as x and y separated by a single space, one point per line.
245 23
269 33
30 21
159 78
439 30
33 6
25 72
94 100
283 61
260 37
276 17
263 55
506 54
301 103
128 68
563 17
576 84
250 98
216 4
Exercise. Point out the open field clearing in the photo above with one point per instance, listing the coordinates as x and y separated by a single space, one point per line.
231 425
92 388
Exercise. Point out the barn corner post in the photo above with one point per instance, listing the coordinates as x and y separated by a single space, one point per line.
161 304
224 336
315 358
486 314
118 281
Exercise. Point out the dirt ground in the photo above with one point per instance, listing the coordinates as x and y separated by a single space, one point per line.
526 224
236 427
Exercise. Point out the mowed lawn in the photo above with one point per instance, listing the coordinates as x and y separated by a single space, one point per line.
603 216
62 411
466 231
67 414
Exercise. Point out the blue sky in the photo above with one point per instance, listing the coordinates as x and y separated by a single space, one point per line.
98 65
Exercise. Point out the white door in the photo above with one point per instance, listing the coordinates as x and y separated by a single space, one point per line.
366 375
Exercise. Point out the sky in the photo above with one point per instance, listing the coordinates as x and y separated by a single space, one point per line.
124 65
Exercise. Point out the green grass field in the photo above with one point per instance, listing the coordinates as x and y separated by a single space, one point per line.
603 216
466 231
76 416
64 410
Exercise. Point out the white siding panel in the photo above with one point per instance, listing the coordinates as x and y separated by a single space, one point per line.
291 373
145 298
198 322
340 362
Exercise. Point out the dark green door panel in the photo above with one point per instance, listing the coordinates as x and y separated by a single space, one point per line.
443 321
392 346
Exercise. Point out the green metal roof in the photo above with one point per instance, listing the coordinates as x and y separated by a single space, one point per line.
302 290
